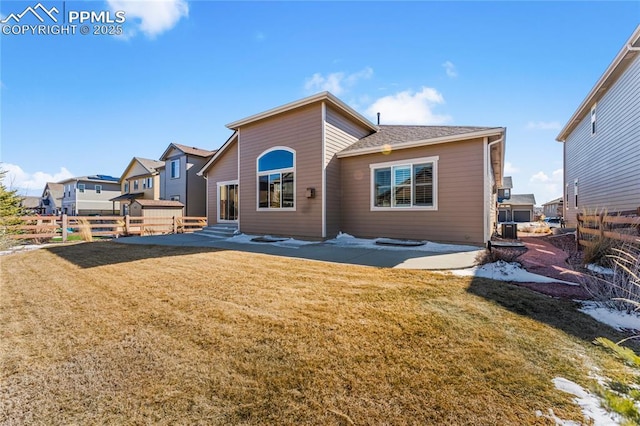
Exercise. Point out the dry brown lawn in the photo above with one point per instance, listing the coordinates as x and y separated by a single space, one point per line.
107 333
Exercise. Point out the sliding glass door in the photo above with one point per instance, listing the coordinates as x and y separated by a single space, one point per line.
228 202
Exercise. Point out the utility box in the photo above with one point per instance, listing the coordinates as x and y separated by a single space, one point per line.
510 231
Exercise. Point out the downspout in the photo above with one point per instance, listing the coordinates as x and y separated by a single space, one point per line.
487 199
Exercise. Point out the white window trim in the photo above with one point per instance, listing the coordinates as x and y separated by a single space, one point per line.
81 187
177 176
285 170
593 126
218 185
98 189
408 162
575 194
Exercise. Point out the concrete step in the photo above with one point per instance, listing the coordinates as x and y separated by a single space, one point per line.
219 231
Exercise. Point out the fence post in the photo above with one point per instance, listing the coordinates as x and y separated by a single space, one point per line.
175 225
64 228
601 225
126 224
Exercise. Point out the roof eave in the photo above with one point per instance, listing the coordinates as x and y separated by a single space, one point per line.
601 86
318 97
425 142
217 154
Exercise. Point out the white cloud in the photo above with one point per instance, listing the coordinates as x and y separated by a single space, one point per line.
30 183
509 168
547 186
408 107
450 69
337 82
151 17
543 125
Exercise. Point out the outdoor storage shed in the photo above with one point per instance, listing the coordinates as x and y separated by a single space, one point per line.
159 216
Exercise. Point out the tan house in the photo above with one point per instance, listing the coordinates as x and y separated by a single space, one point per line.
602 141
315 167
141 179
179 180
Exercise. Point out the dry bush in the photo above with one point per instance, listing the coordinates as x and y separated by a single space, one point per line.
621 289
84 227
599 252
506 254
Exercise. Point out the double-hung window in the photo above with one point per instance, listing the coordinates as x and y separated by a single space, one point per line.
81 187
276 179
408 184
98 189
175 169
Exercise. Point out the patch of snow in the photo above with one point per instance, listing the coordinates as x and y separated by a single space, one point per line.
24 248
590 404
346 240
288 243
599 269
506 271
619 320
557 420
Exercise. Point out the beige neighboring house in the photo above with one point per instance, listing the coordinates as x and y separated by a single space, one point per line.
90 195
553 208
518 208
51 199
140 180
602 141
315 167
179 179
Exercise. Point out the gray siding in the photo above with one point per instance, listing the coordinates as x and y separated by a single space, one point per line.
175 186
460 214
224 169
607 164
196 190
340 132
301 130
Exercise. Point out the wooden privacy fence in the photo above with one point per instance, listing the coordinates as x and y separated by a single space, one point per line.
591 227
47 227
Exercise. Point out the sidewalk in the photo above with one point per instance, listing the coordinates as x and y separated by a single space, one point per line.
402 259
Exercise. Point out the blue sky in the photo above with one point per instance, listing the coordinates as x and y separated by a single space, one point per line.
86 104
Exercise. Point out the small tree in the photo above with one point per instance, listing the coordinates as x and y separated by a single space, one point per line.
10 210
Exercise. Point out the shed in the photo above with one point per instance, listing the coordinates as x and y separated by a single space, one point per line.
156 208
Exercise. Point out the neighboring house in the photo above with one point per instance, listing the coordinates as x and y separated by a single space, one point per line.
518 208
51 199
602 140
90 195
504 190
179 180
31 204
553 208
315 167
141 179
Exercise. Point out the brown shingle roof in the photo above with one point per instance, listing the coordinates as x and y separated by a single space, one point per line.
55 189
150 165
392 134
159 203
192 150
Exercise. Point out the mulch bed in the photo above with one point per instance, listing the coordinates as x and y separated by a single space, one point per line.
554 256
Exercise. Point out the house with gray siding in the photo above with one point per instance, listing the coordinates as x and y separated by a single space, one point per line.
517 208
90 195
315 167
141 179
602 140
179 179
51 199
553 208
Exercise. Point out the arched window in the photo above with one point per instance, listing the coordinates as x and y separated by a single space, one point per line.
276 182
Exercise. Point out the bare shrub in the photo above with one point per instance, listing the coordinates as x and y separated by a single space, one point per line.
599 251
619 288
503 253
84 227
